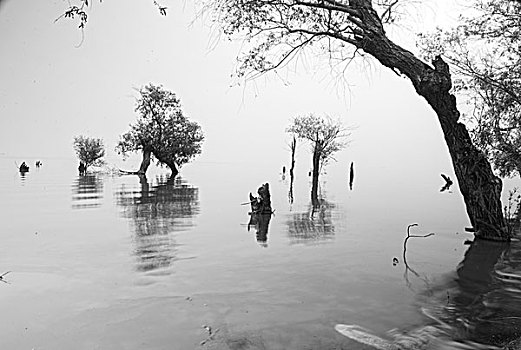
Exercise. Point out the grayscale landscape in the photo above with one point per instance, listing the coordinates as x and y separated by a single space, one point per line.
384 226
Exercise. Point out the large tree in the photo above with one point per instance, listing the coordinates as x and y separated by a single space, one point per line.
483 51
161 131
326 137
275 31
89 150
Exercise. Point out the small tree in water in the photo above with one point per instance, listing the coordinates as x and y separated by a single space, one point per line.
89 150
161 131
326 137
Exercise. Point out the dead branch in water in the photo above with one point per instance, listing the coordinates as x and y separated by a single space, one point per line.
2 277
407 267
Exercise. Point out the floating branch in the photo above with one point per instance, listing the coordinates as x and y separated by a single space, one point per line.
407 267
2 277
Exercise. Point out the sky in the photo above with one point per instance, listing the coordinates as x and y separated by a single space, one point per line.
56 83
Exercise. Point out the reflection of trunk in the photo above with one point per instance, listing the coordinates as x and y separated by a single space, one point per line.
145 187
484 298
290 192
475 273
316 171
261 223
147 153
480 188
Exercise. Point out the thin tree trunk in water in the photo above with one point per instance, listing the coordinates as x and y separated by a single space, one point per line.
351 175
316 171
173 168
480 188
293 147
145 163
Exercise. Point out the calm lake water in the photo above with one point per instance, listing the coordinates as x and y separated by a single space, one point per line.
117 262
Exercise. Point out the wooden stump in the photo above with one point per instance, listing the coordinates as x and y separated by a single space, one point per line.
262 203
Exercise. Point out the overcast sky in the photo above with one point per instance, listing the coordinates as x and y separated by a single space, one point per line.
52 88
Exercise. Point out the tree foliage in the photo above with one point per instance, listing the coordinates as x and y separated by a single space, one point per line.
279 30
326 135
162 129
484 52
89 150
78 10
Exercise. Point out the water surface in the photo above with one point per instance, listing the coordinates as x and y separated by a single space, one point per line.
121 262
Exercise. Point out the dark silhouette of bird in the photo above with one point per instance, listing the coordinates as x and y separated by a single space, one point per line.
448 183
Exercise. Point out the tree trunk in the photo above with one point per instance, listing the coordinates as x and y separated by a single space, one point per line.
316 172
293 147
169 163
480 188
145 163
173 168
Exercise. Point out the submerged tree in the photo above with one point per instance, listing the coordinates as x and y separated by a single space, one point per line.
161 131
89 150
275 31
483 51
326 137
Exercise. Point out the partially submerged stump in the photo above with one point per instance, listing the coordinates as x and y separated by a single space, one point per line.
262 203
260 214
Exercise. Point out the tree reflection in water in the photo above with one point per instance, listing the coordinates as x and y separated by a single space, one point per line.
312 226
482 305
261 223
87 191
156 213
488 299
